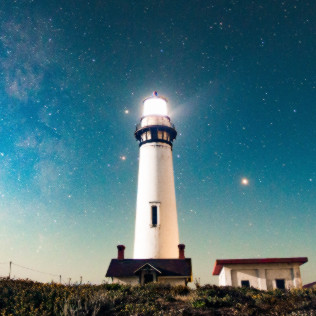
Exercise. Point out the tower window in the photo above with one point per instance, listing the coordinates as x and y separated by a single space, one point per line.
154 215
280 284
160 134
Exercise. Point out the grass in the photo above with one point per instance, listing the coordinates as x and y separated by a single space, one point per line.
24 297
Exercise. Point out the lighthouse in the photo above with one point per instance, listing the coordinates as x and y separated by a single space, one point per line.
156 228
158 256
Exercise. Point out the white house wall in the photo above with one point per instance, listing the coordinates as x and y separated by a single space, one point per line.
247 274
172 281
225 278
126 280
164 280
273 274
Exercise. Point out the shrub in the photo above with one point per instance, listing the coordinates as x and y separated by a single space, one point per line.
24 297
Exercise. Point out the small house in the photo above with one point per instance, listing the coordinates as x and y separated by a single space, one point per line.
142 271
263 274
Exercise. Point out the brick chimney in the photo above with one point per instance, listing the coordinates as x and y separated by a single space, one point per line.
181 251
120 252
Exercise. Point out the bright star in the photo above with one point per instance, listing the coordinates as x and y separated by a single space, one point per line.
244 181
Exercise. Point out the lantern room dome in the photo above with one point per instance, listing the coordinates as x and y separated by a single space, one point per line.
155 106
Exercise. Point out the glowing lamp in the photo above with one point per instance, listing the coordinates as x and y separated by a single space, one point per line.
155 106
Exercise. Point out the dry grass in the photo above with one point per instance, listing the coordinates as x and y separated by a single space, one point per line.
23 297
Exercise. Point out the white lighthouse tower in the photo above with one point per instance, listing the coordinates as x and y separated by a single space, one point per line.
158 256
156 229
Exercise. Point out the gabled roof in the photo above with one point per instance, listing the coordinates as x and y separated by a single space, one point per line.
146 265
219 263
167 267
309 285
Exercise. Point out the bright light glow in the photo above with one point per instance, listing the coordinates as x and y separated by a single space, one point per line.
155 106
244 181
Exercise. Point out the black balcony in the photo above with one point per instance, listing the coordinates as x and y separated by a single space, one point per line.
152 134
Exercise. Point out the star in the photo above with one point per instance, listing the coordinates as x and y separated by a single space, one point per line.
244 181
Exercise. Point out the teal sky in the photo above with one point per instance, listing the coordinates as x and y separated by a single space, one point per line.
240 80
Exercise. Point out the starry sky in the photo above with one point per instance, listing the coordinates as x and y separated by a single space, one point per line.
240 80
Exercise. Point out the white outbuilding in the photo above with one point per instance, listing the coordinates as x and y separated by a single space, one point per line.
263 274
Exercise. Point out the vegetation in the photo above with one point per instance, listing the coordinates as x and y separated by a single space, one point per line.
24 297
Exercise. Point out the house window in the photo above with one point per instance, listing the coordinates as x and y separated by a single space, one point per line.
280 284
245 283
154 215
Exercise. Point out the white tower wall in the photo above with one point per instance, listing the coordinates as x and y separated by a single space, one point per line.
156 187
156 238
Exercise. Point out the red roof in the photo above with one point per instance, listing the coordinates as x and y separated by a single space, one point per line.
309 285
219 263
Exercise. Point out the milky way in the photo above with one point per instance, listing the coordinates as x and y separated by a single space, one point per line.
240 80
